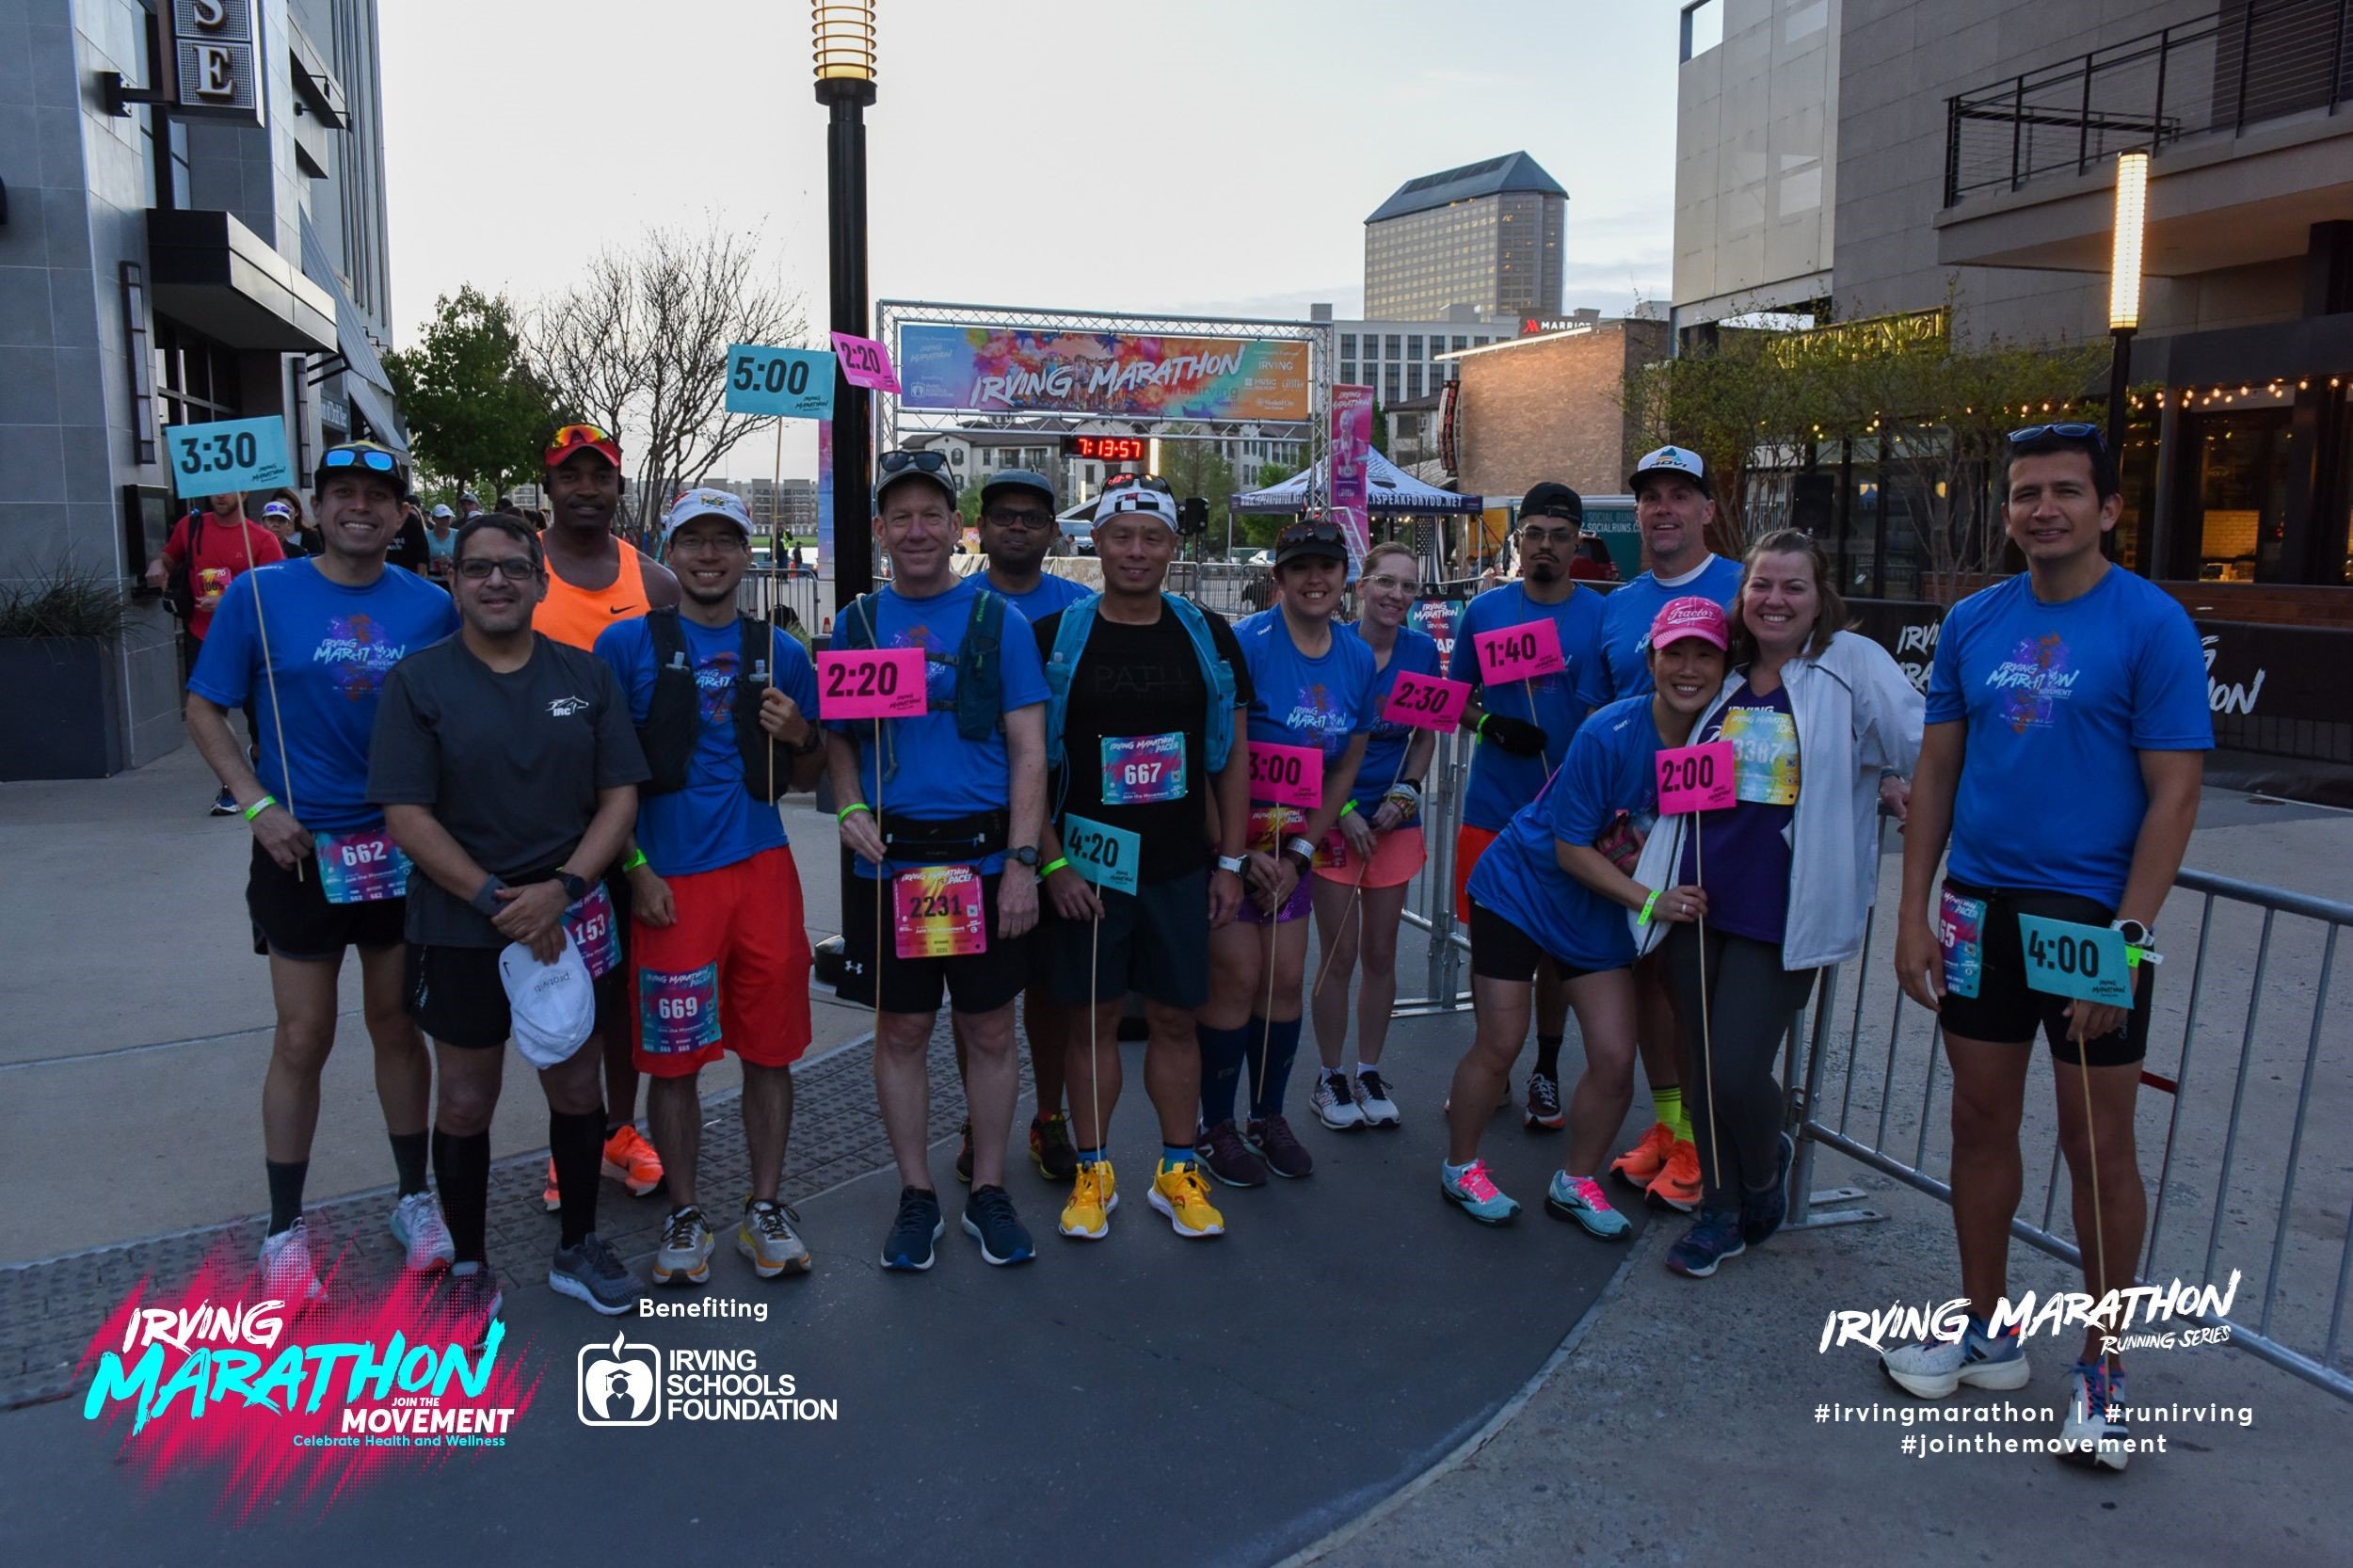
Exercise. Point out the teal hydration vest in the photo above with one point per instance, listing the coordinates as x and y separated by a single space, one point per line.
1070 641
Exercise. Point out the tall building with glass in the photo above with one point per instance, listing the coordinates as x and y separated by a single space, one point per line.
1487 236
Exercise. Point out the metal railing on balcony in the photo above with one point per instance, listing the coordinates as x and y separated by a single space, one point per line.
2259 60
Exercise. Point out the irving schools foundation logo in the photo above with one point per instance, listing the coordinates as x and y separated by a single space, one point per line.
620 1384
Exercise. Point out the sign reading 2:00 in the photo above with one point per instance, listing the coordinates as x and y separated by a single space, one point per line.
228 455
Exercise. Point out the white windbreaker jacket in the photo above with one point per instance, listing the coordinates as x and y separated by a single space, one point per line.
1856 714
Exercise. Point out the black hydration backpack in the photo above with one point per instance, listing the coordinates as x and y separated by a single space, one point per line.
673 717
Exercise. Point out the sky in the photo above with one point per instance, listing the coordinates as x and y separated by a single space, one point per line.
1188 157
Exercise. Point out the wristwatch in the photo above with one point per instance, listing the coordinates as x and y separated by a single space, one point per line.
2135 934
1026 855
575 888
1231 863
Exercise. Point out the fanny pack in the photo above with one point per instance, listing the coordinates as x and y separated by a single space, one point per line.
941 841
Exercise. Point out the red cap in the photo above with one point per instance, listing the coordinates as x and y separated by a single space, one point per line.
1690 616
583 437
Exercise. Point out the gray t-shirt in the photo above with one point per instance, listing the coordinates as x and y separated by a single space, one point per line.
510 765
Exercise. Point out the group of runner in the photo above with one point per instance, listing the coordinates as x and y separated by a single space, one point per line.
576 751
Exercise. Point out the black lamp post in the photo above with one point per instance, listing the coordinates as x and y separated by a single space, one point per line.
845 38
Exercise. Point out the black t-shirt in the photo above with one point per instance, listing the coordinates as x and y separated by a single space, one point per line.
1139 688
410 549
510 765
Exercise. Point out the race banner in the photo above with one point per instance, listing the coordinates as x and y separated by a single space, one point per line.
1351 443
1122 375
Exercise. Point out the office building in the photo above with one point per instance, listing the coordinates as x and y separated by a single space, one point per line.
1402 360
1488 236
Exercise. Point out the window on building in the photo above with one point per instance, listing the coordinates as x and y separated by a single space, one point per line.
195 378
1703 27
1390 384
1393 351
1413 380
1348 345
1413 347
1348 372
1459 344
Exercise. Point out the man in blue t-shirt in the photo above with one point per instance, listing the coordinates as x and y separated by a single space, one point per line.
940 811
2067 727
1017 528
718 952
305 647
1523 728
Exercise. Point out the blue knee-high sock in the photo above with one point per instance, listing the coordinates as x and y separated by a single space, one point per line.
1221 1072
1282 1049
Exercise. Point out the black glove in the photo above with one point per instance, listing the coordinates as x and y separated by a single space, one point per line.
1516 736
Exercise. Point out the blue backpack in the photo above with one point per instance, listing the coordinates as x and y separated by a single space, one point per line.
1070 641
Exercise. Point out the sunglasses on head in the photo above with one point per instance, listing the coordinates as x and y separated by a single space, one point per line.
1308 533
374 457
2073 431
1137 481
578 435
922 462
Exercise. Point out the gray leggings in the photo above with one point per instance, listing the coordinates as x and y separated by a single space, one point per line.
1750 1000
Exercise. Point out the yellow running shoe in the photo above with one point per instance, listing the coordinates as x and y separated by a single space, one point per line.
1178 1191
1093 1193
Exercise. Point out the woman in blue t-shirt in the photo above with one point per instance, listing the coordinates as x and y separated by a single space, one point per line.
1359 891
1823 726
1311 714
1549 888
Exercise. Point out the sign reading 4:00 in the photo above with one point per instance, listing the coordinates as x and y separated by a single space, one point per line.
1132 375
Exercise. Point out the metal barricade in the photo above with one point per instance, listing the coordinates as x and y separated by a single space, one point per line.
2243 1049
1429 898
793 598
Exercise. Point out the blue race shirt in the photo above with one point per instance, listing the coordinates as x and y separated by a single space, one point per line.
1385 754
941 775
329 648
1500 783
1298 701
1744 851
1626 619
1607 771
2057 700
714 822
1051 594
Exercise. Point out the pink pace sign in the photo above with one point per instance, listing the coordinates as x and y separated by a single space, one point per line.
1695 779
1426 702
1521 652
865 363
870 683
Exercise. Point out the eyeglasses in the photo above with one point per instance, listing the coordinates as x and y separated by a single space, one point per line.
2073 431
1017 520
376 457
922 462
1547 535
515 568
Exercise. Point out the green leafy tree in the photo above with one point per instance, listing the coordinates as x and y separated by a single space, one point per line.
476 415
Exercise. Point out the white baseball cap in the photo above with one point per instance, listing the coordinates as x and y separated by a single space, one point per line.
703 502
555 1005
1139 494
1670 459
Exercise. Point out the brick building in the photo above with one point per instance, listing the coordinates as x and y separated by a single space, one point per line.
1551 407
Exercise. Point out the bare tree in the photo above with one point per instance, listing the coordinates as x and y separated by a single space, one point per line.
640 345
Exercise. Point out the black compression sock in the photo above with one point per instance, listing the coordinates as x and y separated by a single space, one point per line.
1548 1056
285 1191
576 1142
408 1156
462 1165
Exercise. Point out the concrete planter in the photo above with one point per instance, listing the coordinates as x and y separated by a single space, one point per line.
60 708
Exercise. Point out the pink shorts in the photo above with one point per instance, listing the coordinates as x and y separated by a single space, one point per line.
1396 856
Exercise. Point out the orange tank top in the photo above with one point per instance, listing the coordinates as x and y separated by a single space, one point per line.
575 615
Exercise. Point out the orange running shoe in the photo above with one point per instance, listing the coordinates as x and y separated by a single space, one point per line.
1638 1166
632 1161
1678 1185
553 1199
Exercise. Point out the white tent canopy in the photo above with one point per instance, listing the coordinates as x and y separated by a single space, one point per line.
1392 492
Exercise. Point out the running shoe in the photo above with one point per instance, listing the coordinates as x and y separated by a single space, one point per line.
1678 1185
1227 1158
989 1218
1936 1369
551 1199
286 1271
766 1236
1543 1104
1761 1213
631 1161
1093 1193
1640 1165
1715 1237
473 1299
591 1271
1050 1149
424 1235
1279 1147
1336 1105
1178 1192
684 1256
1478 1195
1580 1199
2093 1432
910 1245
1372 1098
224 805
964 1155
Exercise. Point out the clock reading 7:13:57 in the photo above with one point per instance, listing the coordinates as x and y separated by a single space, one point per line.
1108 449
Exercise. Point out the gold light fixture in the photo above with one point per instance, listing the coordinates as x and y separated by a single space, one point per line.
845 40
2132 213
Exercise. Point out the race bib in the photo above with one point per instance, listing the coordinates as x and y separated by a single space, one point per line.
677 1012
593 932
1960 932
1764 755
1139 770
360 868
940 913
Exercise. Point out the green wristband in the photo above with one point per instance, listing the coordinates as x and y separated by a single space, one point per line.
1648 905
844 815
259 806
637 858
1059 863
1346 810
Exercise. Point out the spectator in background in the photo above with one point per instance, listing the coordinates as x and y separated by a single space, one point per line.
441 542
207 550
1592 562
283 517
411 552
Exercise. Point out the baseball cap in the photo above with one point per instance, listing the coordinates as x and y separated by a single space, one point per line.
1310 540
703 502
279 509
441 510
581 437
1137 494
362 457
555 1005
1019 479
1671 460
1550 500
1689 616
891 467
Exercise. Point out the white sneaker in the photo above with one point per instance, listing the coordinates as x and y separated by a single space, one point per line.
1372 1098
417 1224
1335 1106
2093 1429
1936 1369
286 1271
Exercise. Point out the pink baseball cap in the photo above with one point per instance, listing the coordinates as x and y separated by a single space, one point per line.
1690 616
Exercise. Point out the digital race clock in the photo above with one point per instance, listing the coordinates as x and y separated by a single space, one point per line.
1108 449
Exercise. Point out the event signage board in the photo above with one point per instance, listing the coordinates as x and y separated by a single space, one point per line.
1351 441
1123 375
